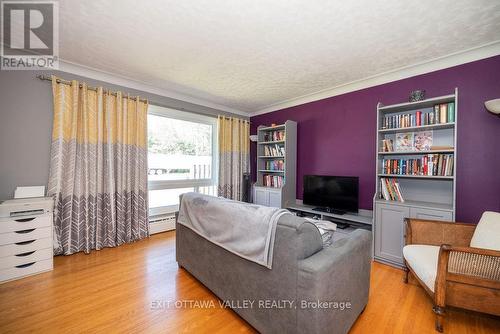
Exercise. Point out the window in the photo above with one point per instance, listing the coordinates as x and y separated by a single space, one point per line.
181 156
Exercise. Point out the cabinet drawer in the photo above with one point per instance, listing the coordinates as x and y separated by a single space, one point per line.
25 258
37 267
24 223
24 247
431 214
25 235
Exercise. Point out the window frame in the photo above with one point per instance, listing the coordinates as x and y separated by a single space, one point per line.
193 183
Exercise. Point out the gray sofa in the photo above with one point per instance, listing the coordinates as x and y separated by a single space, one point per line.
303 273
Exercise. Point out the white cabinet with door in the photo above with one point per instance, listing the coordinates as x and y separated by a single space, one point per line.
267 196
389 227
389 232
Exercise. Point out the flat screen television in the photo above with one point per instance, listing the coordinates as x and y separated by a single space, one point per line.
338 194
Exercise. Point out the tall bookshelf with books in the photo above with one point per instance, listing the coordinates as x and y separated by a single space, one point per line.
416 169
276 165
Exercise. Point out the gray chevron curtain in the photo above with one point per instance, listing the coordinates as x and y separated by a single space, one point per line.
98 168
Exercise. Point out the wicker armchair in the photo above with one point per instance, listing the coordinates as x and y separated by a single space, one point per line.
465 277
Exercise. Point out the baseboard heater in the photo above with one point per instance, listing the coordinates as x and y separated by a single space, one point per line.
161 223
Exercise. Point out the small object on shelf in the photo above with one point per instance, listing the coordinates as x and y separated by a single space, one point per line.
423 140
387 145
441 148
417 95
404 141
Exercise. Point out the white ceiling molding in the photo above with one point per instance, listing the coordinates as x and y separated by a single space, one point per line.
454 59
85 71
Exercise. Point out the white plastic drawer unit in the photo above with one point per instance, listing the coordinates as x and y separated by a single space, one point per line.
26 246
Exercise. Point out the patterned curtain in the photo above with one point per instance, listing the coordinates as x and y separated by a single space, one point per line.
234 156
98 168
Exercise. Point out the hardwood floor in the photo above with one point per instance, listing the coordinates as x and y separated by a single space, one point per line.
127 289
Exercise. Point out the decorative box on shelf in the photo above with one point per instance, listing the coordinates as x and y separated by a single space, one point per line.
26 246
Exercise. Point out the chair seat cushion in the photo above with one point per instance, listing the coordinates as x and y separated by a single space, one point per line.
487 232
423 260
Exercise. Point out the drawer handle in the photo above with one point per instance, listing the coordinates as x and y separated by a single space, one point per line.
25 254
23 220
25 265
26 231
24 242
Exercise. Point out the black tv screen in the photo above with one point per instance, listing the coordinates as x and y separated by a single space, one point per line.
332 192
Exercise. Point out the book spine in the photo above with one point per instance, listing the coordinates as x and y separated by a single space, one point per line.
398 188
451 112
443 113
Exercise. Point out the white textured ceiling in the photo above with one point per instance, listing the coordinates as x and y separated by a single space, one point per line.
249 54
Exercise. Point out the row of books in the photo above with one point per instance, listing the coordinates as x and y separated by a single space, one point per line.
274 135
442 113
274 150
390 190
275 165
275 181
427 165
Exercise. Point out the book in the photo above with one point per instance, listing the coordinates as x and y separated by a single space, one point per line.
274 181
451 112
398 190
404 141
437 148
390 190
443 113
387 145
423 140
426 165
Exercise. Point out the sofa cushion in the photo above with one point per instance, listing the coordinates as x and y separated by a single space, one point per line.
423 260
487 233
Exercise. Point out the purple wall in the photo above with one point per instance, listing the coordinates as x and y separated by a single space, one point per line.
337 135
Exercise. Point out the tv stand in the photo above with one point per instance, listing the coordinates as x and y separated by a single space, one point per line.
329 210
361 219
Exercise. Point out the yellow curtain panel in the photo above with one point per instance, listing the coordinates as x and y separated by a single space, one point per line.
98 170
234 156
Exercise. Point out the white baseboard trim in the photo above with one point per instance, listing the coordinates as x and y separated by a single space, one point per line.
162 224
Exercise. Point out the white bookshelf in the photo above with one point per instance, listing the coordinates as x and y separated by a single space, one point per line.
425 196
273 195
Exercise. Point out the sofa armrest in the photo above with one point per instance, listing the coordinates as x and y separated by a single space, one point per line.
437 233
338 275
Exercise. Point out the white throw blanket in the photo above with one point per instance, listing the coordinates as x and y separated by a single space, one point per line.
247 230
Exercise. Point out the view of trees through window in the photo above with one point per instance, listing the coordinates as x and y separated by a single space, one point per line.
178 149
174 137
